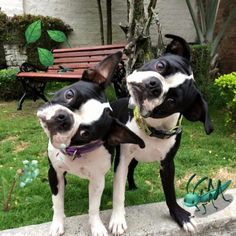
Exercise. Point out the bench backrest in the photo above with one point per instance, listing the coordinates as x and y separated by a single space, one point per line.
82 58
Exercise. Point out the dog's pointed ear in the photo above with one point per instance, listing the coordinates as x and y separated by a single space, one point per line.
198 111
178 46
120 133
103 71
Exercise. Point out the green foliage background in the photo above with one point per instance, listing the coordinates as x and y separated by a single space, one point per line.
227 86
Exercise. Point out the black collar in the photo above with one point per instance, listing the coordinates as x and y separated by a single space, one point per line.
162 134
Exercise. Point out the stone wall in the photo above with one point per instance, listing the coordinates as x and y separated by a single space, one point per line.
14 55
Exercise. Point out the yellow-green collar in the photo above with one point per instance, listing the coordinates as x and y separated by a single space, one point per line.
163 134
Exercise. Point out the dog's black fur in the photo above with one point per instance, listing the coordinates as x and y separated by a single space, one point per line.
79 115
160 89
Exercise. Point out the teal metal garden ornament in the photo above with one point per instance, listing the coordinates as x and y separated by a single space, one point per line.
194 199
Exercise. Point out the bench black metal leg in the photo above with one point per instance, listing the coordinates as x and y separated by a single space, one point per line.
33 90
43 97
19 107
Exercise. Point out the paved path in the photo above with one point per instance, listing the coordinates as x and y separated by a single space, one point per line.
150 220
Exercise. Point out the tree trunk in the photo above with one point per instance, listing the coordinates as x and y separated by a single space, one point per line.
138 48
101 21
109 22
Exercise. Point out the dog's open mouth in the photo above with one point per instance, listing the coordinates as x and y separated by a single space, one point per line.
142 99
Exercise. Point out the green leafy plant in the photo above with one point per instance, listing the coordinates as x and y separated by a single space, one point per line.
33 33
205 23
45 57
26 175
58 36
227 86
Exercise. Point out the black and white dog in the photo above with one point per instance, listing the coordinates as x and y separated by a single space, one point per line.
161 92
82 134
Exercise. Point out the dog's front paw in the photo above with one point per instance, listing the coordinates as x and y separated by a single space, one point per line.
97 227
57 228
117 223
183 218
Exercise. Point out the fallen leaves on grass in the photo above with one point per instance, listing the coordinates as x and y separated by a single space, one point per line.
225 174
9 138
21 147
222 174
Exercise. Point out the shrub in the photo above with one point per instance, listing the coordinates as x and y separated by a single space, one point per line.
201 60
227 86
12 31
3 22
201 64
10 88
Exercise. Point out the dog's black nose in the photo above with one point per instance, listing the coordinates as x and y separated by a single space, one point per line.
61 116
154 86
62 120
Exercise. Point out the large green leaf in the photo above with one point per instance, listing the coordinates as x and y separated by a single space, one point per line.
45 57
57 36
33 32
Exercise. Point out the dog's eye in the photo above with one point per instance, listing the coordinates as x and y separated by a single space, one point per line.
84 133
69 94
171 102
160 66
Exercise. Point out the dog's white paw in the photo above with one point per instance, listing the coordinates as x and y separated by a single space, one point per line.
190 226
98 228
117 223
57 228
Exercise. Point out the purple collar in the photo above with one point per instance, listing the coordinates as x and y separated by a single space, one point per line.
77 151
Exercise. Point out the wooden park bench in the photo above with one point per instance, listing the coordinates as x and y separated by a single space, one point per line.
69 64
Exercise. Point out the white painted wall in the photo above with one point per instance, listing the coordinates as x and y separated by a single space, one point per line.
12 7
82 16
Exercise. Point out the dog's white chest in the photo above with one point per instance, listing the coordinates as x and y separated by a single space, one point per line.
88 166
155 148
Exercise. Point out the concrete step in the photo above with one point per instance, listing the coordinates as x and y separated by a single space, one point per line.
150 220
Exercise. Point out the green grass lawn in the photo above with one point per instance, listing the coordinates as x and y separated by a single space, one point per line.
21 137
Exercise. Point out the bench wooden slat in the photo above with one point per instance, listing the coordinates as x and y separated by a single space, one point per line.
68 76
92 48
76 59
84 53
72 66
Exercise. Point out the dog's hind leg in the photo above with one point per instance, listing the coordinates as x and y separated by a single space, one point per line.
57 184
131 182
96 186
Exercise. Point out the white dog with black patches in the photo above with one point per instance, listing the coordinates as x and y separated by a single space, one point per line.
161 92
82 134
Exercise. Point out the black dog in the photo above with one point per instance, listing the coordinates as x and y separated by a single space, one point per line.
82 135
161 92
